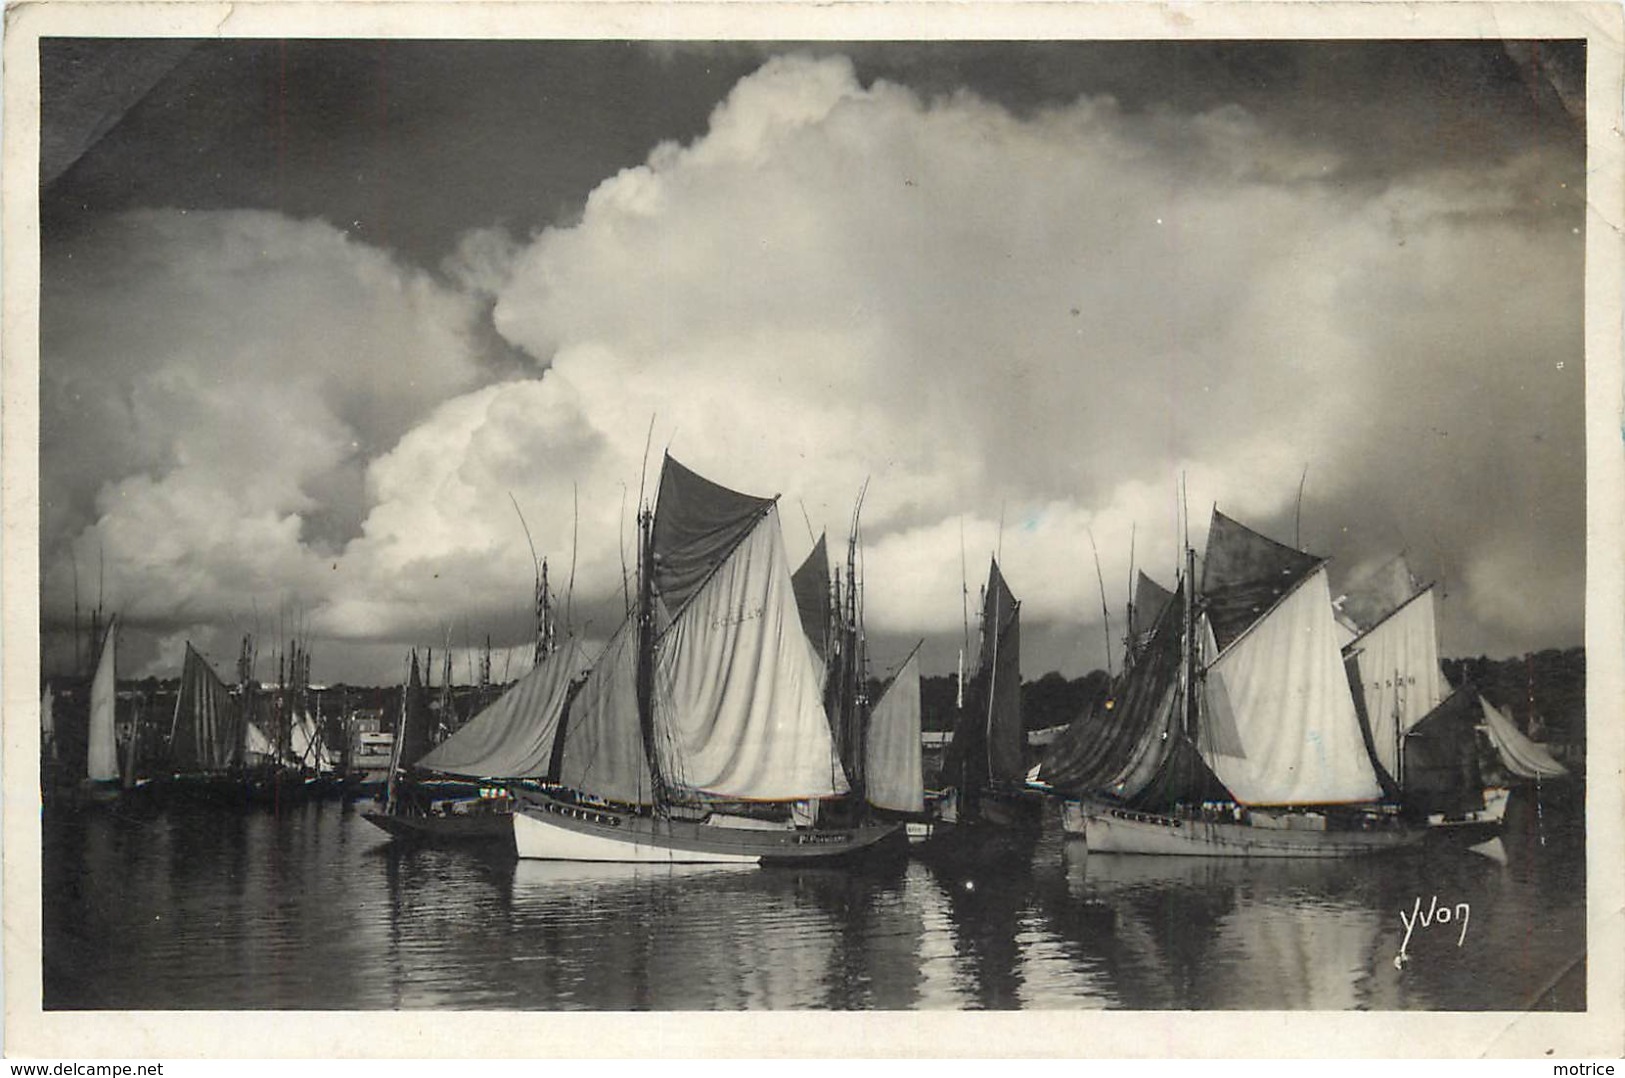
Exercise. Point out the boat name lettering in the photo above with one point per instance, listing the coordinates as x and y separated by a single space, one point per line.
722 621
816 838
1435 915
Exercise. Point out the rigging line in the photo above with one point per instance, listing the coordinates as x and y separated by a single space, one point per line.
808 519
643 473
964 605
1104 612
626 584
575 532
1297 517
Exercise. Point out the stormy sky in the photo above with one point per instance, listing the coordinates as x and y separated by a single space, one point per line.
317 314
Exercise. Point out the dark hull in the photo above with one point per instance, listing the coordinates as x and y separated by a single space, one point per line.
999 829
454 829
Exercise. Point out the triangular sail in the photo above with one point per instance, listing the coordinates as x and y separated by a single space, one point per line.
513 738
1371 597
811 585
413 736
1150 599
1523 757
602 751
101 762
893 770
1396 662
206 734
1278 721
987 741
306 744
738 697
1244 574
697 524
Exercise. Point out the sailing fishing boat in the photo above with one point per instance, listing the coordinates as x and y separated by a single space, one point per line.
513 740
207 735
1423 738
101 783
988 810
1235 731
700 735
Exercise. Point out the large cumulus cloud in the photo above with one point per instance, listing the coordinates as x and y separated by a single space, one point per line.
1020 330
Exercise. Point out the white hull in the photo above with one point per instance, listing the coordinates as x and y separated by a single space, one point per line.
537 837
1111 830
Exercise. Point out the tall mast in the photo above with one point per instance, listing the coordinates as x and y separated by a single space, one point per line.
1190 644
645 644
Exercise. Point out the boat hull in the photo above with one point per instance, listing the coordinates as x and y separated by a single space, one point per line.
470 827
548 828
1114 830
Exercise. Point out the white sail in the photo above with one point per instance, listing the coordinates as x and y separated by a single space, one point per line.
1400 676
738 688
603 743
1279 721
513 738
1523 757
101 763
257 747
892 768
307 745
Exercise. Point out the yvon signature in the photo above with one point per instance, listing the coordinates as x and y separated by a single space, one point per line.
1435 914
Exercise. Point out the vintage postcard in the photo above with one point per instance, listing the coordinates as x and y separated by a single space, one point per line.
713 529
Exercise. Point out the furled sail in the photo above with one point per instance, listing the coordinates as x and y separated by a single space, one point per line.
738 698
892 768
1523 757
1278 719
987 741
206 734
697 525
1396 665
811 585
513 738
101 763
602 750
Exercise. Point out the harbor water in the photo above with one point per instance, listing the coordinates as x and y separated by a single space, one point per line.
313 908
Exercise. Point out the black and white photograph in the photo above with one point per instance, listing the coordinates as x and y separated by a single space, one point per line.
631 516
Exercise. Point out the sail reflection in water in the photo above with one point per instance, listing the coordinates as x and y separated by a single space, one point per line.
314 909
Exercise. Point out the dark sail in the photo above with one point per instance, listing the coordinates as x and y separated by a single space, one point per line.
414 732
1149 600
697 525
811 585
207 732
1132 747
988 738
1440 768
1244 574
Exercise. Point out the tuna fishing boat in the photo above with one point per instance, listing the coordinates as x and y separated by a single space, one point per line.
1234 732
988 812
700 735
102 783
511 741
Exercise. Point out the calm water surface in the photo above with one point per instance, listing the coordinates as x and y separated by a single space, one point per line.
314 909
